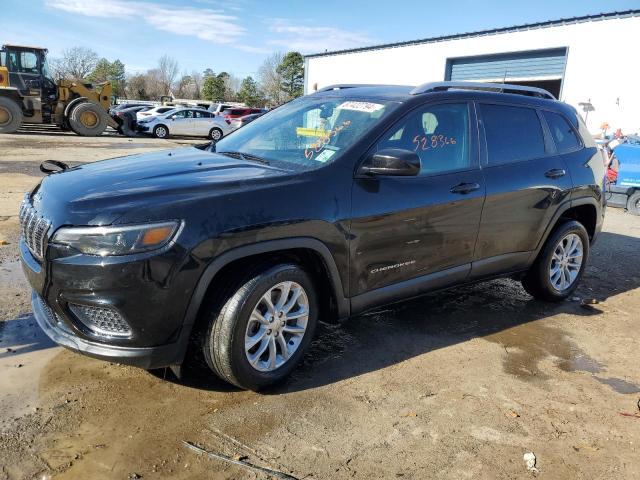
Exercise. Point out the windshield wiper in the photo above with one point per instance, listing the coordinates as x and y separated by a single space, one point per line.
245 156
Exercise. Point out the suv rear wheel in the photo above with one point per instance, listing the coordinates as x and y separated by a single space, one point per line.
263 328
560 264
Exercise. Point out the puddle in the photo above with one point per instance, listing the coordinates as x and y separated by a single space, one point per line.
528 344
581 363
619 385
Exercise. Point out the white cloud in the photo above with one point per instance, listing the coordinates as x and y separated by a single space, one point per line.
205 23
312 39
214 24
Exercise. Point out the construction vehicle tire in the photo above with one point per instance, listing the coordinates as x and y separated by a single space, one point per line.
88 119
10 115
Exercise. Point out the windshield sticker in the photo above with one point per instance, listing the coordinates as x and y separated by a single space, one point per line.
311 132
423 142
324 155
319 145
367 107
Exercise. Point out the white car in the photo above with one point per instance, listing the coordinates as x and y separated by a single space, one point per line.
153 111
192 122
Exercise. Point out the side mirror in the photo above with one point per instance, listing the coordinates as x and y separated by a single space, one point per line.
392 162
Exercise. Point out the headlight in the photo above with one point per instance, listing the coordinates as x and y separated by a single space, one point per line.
117 239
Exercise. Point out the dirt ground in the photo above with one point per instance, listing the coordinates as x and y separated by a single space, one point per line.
459 384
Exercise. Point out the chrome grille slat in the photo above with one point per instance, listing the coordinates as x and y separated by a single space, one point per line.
34 228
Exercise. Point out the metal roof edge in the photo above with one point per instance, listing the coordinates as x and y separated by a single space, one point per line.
479 33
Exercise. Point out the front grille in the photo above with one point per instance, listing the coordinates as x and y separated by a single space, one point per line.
103 321
53 318
34 228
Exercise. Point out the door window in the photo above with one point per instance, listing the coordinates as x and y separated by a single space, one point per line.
512 133
28 62
439 134
563 134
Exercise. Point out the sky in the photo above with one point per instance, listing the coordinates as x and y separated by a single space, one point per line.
237 35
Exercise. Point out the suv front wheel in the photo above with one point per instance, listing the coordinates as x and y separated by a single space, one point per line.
263 329
560 264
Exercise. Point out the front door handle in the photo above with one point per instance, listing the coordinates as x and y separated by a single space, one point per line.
464 188
555 173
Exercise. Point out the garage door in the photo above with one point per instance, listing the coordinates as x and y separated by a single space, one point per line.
532 65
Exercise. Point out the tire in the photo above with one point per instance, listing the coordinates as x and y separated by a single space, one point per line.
633 203
230 326
10 115
88 119
216 134
160 131
539 281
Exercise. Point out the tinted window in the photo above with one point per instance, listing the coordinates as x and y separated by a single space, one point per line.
563 135
512 133
438 134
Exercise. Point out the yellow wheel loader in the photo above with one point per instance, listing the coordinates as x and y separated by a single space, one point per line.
28 94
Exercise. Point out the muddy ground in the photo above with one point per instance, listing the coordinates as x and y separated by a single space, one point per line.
455 385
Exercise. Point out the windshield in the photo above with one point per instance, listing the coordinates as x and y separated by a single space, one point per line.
307 132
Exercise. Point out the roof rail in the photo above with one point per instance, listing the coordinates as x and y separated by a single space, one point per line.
498 87
341 86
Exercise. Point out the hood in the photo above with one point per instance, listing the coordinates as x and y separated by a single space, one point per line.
98 193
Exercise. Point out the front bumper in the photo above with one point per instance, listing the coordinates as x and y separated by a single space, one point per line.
143 357
140 289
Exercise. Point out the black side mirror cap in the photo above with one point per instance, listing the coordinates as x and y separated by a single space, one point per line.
392 162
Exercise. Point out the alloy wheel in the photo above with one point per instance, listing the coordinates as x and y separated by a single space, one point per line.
566 262
276 326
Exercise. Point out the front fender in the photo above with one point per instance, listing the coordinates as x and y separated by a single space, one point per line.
198 296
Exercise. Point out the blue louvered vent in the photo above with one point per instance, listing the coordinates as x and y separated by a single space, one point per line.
543 64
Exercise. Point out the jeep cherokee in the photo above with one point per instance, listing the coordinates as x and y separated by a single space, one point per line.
335 203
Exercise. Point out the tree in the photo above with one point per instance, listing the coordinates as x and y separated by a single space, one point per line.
167 73
136 87
213 88
75 63
113 72
271 80
196 77
208 73
249 93
184 88
292 71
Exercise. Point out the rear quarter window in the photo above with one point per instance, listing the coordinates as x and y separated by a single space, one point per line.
564 136
512 133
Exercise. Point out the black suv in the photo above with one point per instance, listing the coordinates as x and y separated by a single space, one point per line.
335 203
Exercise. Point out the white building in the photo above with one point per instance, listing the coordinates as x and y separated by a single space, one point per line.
592 59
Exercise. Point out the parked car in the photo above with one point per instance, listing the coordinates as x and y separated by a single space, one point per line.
122 106
186 121
333 204
218 108
232 113
126 117
154 111
242 121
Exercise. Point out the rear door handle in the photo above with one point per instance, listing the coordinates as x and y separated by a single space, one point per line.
555 173
464 188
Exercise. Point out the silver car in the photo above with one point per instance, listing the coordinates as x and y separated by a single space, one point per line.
192 122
